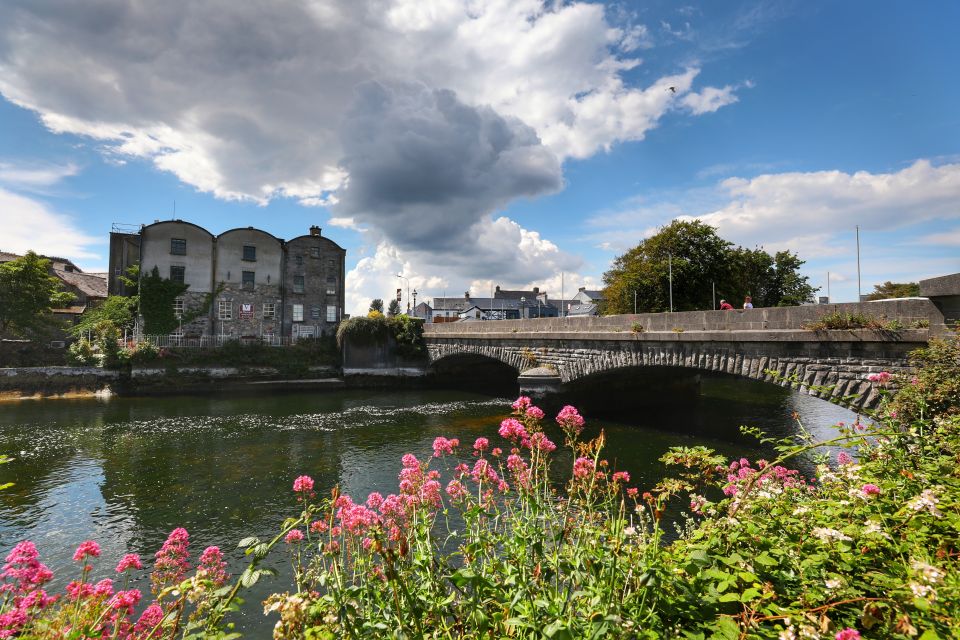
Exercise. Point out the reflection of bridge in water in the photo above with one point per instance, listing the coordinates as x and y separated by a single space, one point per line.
770 345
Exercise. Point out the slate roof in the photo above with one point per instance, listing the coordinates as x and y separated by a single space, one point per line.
92 285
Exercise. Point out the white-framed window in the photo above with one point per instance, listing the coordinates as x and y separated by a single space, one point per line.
298 313
331 291
178 307
225 310
269 310
315 313
298 284
331 313
178 273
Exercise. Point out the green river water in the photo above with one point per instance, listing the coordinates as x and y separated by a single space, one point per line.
126 471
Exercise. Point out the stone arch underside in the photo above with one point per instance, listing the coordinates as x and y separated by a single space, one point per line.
837 378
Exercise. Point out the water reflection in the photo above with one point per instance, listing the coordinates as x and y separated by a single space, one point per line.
127 471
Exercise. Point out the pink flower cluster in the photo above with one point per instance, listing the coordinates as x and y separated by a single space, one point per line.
88 548
442 445
172 561
213 567
23 575
847 634
583 468
881 378
303 487
129 561
843 458
870 490
740 472
513 430
570 419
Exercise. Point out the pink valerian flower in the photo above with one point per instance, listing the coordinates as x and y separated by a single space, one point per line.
870 490
484 471
520 404
356 518
125 601
103 588
442 445
540 442
881 378
844 458
293 536
847 634
774 479
149 619
497 452
303 484
172 561
87 548
513 429
374 500
129 561
583 468
456 490
23 569
621 477
697 502
482 444
570 419
212 566
318 526
632 492
534 412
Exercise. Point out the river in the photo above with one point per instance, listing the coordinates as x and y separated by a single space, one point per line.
125 471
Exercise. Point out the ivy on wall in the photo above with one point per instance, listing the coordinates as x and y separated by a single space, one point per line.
157 295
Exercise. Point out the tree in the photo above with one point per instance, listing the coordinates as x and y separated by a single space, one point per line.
376 305
701 260
393 309
894 290
697 255
119 311
28 293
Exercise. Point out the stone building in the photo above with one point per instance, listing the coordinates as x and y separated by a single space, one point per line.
314 277
252 283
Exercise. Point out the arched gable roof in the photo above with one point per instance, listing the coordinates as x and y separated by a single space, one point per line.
290 241
160 222
266 233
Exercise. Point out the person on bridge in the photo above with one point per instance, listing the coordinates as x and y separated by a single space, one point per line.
725 306
748 303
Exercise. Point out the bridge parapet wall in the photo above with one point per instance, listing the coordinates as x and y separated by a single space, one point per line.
908 311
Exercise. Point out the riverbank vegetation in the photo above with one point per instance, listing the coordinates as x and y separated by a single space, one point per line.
405 331
479 540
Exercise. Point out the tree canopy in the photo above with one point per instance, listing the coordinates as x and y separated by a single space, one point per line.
27 294
700 260
393 309
376 305
894 290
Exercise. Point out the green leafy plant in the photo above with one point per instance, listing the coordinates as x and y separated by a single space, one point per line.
839 320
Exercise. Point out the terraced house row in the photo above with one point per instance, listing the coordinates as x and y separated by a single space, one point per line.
263 286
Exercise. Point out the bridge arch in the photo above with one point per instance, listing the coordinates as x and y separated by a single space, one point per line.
822 370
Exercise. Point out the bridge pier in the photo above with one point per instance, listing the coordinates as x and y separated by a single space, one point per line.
539 383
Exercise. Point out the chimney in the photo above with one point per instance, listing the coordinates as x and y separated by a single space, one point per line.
536 290
466 296
498 288
582 289
314 230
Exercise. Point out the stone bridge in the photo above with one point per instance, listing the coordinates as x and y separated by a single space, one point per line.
772 345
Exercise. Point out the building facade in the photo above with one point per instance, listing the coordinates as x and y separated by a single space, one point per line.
243 283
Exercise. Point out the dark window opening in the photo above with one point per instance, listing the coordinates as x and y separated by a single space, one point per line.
248 278
298 284
314 252
177 274
249 253
299 260
178 246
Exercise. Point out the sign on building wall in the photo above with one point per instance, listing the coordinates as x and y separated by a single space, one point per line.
246 311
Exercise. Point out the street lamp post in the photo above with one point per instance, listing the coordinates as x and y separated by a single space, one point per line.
523 301
408 291
414 299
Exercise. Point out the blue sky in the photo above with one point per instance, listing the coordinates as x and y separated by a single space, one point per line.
490 142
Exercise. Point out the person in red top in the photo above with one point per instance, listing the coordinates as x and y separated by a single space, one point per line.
725 306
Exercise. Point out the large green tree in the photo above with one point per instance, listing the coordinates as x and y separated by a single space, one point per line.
119 311
394 308
701 260
27 294
376 305
894 290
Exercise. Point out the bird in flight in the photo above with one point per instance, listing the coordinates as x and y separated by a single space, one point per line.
672 89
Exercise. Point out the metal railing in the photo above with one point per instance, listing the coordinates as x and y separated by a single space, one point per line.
212 342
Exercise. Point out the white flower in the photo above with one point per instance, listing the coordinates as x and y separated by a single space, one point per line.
871 527
630 531
928 573
788 634
926 501
833 583
802 509
923 591
826 535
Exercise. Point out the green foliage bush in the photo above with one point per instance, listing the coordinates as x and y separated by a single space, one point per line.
843 320
80 352
295 358
407 331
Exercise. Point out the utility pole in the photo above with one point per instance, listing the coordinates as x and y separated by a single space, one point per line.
858 263
634 302
714 294
670 268
828 286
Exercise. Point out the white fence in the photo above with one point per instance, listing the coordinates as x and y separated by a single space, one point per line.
210 342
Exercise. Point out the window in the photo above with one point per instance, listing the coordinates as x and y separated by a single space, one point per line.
249 253
299 261
331 264
178 307
331 291
248 278
298 284
225 310
314 252
177 273
315 313
331 279
178 246
269 310
331 313
298 313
